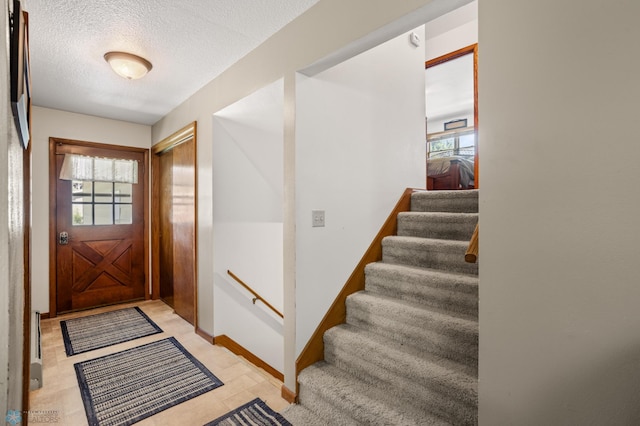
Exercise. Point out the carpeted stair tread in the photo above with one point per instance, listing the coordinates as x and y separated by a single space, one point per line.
397 367
444 290
425 383
427 253
342 399
440 225
436 332
445 201
298 415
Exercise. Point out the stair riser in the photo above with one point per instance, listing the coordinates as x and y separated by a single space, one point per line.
337 409
459 229
418 395
297 414
442 346
373 357
457 347
425 277
439 201
314 401
454 301
436 257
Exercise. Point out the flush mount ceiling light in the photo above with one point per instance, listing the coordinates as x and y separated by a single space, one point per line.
128 65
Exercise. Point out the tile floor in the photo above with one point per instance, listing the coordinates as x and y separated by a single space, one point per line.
60 399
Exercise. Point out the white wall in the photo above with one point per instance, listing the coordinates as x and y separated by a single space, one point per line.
446 34
61 124
247 221
560 209
452 31
298 45
449 93
359 144
314 36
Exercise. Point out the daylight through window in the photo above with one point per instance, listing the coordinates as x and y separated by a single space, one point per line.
101 203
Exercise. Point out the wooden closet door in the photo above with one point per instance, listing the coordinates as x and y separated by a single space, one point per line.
184 231
177 252
165 263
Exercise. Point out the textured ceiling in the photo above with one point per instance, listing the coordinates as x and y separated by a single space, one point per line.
188 42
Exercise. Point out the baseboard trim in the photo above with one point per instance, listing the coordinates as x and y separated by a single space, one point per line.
44 315
206 336
236 348
288 395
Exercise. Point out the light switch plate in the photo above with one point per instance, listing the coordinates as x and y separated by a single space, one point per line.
317 218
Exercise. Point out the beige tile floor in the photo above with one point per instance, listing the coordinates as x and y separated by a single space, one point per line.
60 394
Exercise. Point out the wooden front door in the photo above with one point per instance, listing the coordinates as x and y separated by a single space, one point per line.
99 233
174 222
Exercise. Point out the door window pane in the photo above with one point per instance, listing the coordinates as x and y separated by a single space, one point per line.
123 214
101 203
81 214
81 191
104 214
122 192
103 192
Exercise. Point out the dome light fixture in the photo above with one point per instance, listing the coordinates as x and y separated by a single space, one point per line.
128 65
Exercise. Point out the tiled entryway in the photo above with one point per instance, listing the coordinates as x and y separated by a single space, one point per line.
60 400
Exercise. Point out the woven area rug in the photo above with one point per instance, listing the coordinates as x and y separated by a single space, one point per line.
128 386
106 329
254 413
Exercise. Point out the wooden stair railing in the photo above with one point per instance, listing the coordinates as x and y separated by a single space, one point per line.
471 256
337 313
256 296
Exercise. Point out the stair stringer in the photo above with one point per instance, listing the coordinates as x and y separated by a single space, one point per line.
427 368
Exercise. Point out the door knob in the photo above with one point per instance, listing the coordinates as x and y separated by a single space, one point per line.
63 238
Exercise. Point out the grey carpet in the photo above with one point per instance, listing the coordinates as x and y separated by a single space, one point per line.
106 329
128 386
408 353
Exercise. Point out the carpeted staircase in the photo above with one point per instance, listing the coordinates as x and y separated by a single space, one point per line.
408 353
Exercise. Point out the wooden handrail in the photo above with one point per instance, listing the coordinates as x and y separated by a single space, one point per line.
256 295
471 256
